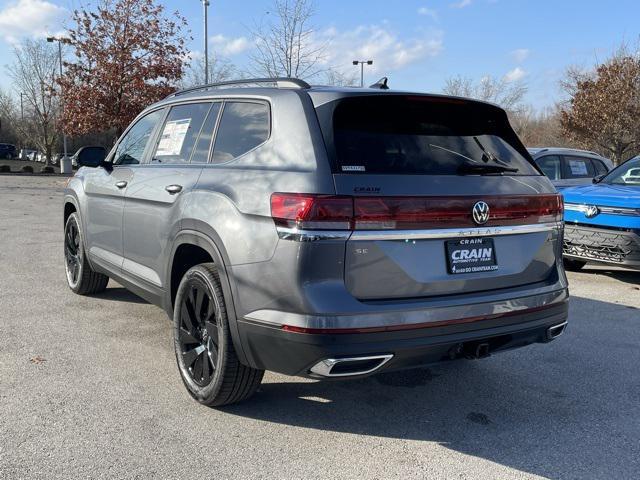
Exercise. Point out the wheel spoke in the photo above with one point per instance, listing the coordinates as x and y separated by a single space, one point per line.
206 368
185 317
197 368
212 348
192 355
212 330
198 304
187 338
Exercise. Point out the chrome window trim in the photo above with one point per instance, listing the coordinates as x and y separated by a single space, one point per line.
372 235
577 207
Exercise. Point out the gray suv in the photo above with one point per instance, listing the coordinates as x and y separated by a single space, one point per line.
568 167
321 231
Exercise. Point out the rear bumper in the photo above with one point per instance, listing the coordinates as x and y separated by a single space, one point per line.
603 245
296 352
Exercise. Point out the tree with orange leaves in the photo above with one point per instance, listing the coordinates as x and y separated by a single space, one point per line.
128 54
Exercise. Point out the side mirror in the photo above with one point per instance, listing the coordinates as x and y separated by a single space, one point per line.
90 156
598 178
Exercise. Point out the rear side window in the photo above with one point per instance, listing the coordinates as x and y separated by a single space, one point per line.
551 166
132 145
203 145
578 167
180 132
422 135
243 126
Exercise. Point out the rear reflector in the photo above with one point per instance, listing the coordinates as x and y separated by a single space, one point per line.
326 212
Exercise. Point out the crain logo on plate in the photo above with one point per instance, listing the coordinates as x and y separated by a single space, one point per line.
480 213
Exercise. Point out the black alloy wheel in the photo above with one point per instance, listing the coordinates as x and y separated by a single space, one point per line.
72 252
198 333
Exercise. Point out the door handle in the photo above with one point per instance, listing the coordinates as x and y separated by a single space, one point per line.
121 184
173 189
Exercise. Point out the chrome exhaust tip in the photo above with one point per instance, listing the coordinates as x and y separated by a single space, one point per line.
556 330
348 367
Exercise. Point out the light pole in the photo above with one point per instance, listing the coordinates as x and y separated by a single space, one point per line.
205 4
60 41
362 64
21 107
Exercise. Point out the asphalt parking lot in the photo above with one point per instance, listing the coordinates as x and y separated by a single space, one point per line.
89 388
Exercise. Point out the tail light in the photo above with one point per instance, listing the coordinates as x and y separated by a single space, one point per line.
330 212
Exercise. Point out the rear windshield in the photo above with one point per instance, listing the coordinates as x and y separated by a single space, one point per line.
423 136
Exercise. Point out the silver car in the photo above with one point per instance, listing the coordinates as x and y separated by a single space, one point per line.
568 167
321 231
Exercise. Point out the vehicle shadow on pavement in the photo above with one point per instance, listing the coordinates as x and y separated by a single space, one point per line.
119 294
568 408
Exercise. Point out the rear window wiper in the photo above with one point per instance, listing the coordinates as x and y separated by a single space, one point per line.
479 169
455 153
487 155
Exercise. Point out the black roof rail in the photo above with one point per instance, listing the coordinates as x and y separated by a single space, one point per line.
278 82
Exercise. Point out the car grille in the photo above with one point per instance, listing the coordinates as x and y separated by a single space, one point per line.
602 244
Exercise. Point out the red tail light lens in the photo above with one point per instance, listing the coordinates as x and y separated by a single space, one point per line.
327 212
322 212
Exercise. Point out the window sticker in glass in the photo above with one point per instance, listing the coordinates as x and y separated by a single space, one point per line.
172 137
578 167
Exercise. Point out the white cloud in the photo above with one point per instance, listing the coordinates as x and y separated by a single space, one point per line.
230 46
383 46
428 12
30 18
461 4
515 75
520 54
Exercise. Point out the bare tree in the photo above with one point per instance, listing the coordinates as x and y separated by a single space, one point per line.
285 46
10 116
220 70
33 73
509 95
335 77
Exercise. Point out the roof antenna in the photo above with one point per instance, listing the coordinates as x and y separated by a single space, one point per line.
381 84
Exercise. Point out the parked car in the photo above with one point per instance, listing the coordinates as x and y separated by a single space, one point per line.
8 151
603 219
321 231
25 153
568 167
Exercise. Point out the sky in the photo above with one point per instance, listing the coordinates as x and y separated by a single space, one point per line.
417 44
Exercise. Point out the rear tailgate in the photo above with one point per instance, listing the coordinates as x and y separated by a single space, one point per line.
415 234
415 260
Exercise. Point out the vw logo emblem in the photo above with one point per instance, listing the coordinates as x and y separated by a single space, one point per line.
591 211
480 213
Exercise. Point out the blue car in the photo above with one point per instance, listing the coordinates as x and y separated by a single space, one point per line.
602 221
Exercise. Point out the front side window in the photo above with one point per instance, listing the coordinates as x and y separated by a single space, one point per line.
243 126
550 166
578 167
132 145
626 174
180 133
599 167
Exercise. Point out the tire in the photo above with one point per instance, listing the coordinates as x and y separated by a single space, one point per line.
80 277
573 265
205 355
